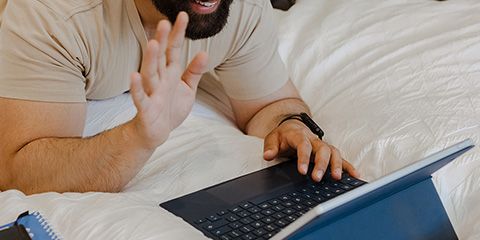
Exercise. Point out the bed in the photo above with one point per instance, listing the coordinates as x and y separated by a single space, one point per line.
389 81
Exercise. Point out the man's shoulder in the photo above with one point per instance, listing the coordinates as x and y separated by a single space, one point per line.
254 3
67 8
244 11
251 4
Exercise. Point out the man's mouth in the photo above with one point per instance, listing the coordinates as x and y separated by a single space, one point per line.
204 6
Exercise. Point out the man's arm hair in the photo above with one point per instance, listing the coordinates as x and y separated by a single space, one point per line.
42 150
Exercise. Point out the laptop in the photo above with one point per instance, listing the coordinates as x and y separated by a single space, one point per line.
279 203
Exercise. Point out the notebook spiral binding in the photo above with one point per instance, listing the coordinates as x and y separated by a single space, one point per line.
43 222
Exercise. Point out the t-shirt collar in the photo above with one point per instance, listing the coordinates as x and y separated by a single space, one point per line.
136 23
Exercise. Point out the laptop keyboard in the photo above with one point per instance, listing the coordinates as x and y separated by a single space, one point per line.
253 220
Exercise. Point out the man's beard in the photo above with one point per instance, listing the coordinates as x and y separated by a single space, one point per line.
200 25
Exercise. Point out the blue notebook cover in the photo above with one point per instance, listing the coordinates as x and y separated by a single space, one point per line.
36 226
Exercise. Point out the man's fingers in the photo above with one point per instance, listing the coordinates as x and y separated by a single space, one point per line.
195 70
270 146
322 158
350 169
304 150
138 93
176 38
163 30
149 67
336 162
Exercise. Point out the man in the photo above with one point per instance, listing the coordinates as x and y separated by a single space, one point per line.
56 55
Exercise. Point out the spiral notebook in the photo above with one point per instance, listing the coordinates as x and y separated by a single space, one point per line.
35 225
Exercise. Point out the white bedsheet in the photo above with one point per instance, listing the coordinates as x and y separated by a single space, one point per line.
389 81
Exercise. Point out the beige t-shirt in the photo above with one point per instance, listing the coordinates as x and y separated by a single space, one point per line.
78 50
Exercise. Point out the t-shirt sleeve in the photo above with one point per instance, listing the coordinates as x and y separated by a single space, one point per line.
39 55
255 70
3 4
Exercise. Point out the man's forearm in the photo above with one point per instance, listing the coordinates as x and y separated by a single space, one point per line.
105 162
268 118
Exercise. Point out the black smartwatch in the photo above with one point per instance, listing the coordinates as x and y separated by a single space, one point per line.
308 121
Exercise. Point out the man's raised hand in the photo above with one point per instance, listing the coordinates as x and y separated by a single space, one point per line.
162 91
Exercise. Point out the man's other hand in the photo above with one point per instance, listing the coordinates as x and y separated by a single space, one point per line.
293 135
162 91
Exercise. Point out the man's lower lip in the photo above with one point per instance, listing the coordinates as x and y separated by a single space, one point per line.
199 9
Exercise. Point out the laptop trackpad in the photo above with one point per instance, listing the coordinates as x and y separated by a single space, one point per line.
257 183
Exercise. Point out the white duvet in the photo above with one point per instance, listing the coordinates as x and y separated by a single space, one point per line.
389 81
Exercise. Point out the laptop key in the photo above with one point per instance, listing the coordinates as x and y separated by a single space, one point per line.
307 196
235 225
271 227
268 220
232 217
268 212
287 204
291 218
208 227
269 235
257 216
289 211
327 195
246 205
278 208
274 201
213 218
298 207
325 188
214 225
294 194
226 237
317 192
304 190
221 231
298 200
319 199
347 179
281 223
246 228
335 184
249 236
235 233
257 224
200 221
278 215
259 232
221 213
254 209
338 191
246 220
235 209
243 214
356 183
285 197
265 205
